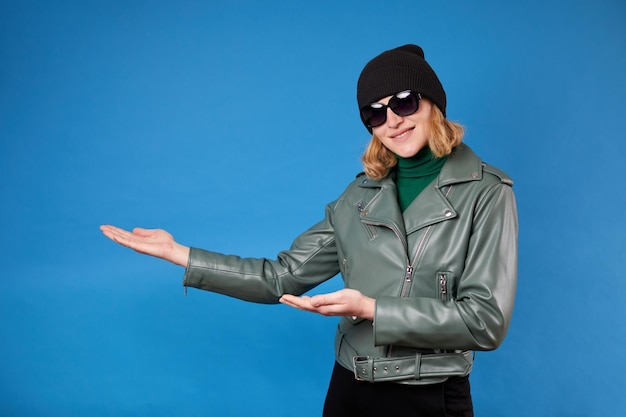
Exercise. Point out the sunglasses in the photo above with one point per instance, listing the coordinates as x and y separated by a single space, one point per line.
403 103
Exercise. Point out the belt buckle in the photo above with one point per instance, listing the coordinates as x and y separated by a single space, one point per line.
356 372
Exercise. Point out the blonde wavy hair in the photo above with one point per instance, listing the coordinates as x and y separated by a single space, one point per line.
445 136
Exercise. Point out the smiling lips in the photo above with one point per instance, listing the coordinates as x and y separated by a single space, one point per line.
402 134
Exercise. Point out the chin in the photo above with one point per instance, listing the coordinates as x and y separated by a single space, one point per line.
408 153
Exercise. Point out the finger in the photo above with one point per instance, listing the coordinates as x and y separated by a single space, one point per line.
292 304
319 300
327 299
122 237
116 232
140 231
295 301
110 231
287 297
295 298
109 228
302 303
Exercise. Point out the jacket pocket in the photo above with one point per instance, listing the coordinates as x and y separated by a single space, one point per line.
446 289
370 230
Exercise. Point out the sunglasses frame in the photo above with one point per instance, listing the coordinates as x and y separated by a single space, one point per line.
376 106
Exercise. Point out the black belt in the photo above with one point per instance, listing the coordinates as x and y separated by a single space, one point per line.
414 367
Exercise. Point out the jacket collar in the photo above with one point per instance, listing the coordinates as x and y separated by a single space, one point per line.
431 205
462 165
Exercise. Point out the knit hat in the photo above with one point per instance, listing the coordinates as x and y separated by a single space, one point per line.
396 70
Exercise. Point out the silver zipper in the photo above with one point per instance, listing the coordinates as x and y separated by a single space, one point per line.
409 270
443 287
389 226
406 283
408 277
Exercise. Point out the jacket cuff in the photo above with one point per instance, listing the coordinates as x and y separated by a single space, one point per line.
195 273
378 322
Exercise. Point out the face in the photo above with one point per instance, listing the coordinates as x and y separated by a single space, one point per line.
405 136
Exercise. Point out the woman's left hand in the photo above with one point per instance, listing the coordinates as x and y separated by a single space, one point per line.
346 302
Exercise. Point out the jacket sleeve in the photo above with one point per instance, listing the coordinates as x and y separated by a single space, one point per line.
311 260
479 316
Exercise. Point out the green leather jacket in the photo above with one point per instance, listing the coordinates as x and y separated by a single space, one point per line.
443 273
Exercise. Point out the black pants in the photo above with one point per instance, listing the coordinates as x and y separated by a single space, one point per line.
348 397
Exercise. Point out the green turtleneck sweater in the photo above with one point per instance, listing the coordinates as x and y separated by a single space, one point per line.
415 173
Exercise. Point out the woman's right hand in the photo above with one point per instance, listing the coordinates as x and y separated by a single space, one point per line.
153 242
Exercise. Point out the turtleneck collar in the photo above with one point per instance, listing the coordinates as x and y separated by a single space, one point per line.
422 164
415 173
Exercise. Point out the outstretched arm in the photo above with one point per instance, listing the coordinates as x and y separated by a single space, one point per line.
153 242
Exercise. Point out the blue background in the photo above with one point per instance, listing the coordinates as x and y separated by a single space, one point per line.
231 124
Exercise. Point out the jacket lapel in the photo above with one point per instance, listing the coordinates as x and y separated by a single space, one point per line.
432 205
383 208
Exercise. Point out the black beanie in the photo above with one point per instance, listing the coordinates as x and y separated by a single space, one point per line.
396 70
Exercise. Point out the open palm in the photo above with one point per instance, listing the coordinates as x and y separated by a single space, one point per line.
154 242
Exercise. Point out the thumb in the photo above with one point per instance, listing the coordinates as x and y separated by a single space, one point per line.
319 300
143 232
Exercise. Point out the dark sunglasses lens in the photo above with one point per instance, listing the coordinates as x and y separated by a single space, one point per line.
374 116
402 104
405 103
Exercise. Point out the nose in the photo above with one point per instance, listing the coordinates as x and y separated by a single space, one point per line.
393 120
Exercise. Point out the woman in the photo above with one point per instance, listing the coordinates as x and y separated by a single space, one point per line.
426 243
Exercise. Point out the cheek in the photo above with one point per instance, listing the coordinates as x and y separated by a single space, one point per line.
427 132
422 131
423 126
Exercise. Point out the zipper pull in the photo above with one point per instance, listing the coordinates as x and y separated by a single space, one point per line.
409 273
443 287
